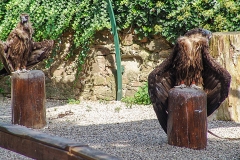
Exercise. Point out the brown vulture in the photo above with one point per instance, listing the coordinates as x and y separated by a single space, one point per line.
20 52
190 64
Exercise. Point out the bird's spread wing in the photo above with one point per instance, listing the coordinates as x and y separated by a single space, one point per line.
3 56
160 81
40 51
216 82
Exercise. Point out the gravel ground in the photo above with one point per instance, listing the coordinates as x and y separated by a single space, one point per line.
130 133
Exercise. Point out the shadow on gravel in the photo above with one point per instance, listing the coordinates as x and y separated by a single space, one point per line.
222 124
55 103
145 140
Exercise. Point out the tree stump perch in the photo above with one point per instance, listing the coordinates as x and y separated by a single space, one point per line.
28 99
187 118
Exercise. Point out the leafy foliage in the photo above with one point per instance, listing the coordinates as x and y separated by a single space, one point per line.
73 101
50 18
172 18
140 97
169 18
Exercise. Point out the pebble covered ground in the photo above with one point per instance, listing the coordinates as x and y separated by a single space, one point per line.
130 133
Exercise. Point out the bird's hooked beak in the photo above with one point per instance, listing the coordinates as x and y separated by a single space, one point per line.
207 33
24 19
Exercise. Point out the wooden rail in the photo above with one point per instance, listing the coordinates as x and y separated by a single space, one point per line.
41 146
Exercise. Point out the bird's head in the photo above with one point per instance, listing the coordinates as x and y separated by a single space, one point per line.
24 18
203 32
207 33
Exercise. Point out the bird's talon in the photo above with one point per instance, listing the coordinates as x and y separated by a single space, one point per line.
195 86
24 70
181 86
17 71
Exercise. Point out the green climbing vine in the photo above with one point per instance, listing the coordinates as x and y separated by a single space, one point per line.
50 18
170 18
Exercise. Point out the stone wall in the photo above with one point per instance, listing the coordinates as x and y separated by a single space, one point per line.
139 57
98 77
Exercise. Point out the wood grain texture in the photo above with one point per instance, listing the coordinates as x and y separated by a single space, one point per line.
41 146
28 99
187 118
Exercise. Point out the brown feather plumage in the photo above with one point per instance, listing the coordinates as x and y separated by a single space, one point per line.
20 51
19 44
190 62
40 51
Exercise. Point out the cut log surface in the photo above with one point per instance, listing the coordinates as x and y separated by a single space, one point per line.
28 99
187 118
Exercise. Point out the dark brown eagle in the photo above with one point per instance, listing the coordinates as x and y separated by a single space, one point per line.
190 64
20 52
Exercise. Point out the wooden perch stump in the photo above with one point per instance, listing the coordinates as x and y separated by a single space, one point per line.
28 99
187 118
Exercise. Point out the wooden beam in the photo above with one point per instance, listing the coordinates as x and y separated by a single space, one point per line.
41 146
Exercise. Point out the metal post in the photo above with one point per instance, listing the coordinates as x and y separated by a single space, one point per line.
117 50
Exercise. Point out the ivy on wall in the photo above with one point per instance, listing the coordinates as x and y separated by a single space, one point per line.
50 18
170 18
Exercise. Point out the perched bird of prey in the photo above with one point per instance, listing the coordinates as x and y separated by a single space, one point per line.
20 52
190 64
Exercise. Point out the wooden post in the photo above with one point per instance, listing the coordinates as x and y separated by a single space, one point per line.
187 118
28 99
